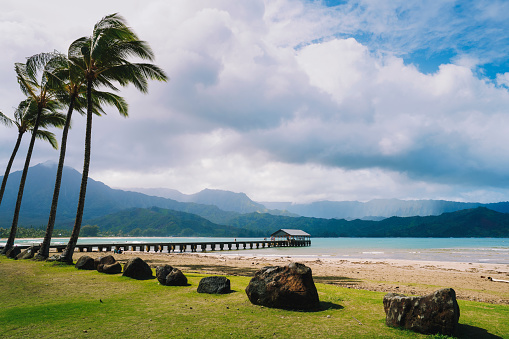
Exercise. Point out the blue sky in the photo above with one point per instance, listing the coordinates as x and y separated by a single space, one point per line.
429 34
293 100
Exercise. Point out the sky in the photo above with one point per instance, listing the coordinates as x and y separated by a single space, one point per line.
291 100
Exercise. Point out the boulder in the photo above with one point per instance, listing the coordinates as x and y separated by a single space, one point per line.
287 287
435 313
176 278
85 263
162 272
54 257
13 253
214 285
114 268
136 268
26 254
104 260
107 264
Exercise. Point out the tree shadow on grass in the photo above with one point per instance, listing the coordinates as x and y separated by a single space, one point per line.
324 306
137 278
468 331
226 293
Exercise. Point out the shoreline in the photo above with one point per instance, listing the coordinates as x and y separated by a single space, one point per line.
410 277
459 250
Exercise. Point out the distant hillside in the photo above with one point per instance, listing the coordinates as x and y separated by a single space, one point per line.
377 209
478 222
101 199
225 200
157 221
380 208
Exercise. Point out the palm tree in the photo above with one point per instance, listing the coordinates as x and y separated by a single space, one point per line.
24 118
33 83
72 84
103 59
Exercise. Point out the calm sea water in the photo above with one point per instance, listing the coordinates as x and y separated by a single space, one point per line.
475 250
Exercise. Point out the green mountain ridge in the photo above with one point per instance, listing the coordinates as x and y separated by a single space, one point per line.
162 222
477 222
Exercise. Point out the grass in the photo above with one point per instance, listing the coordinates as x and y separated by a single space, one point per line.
46 300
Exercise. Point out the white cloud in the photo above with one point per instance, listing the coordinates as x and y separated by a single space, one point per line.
284 100
503 79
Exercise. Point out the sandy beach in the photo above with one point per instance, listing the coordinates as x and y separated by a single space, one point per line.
471 281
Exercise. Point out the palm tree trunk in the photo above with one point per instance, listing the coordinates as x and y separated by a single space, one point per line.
44 250
14 227
69 249
9 165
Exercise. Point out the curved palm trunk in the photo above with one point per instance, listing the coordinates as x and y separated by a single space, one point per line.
69 249
9 165
14 227
44 250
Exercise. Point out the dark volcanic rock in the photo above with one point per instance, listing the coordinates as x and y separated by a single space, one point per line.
162 272
288 287
85 263
107 264
176 278
26 254
136 268
13 253
434 313
214 285
54 257
105 260
114 268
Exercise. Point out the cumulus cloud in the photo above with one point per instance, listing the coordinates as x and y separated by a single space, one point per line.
294 101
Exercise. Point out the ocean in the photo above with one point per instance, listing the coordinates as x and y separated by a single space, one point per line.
474 250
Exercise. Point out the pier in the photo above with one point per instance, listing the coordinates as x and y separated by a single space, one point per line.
178 247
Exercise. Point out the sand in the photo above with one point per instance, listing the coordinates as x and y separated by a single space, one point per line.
471 281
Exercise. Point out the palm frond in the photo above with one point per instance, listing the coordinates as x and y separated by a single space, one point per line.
136 74
49 118
106 82
5 120
47 136
25 112
76 46
27 86
113 100
38 65
38 62
113 25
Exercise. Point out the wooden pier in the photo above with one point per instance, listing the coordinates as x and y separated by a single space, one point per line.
172 247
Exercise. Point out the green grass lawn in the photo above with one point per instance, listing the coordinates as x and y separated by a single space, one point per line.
43 300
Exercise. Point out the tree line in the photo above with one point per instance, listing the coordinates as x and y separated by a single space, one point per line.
82 80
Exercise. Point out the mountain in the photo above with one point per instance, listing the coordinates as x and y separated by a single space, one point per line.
477 222
101 199
167 193
376 210
380 208
161 222
225 200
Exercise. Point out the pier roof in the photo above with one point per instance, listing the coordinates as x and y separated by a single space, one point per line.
290 232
